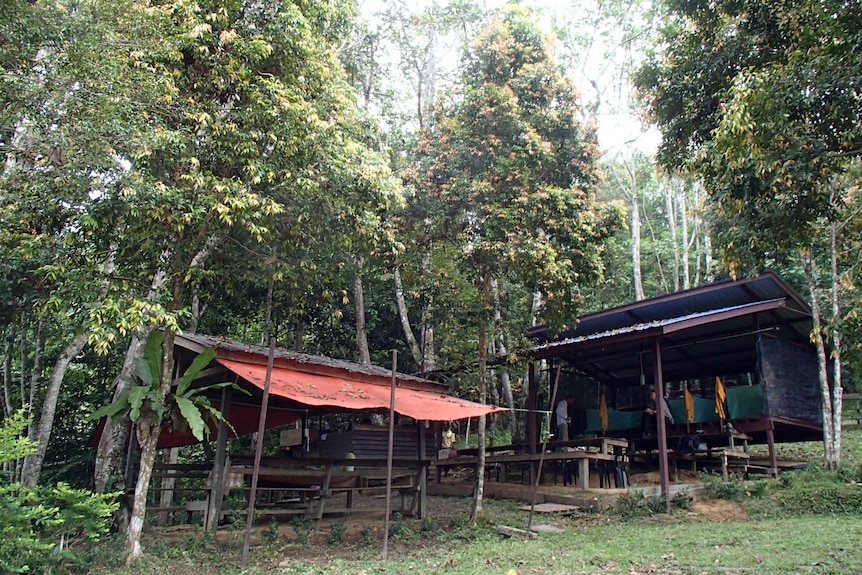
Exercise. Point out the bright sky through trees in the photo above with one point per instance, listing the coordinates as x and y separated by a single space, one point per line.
617 124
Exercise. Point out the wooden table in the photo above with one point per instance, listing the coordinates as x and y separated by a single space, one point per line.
582 458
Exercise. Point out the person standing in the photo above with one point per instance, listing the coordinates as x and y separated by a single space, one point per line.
561 416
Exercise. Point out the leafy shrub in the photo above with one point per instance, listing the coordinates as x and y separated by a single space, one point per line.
732 489
38 525
682 501
336 533
271 531
634 505
817 490
302 526
368 538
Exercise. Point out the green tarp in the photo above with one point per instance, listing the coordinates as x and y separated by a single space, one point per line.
742 402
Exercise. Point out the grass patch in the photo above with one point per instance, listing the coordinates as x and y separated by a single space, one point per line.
808 521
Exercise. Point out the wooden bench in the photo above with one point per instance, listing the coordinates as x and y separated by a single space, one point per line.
323 479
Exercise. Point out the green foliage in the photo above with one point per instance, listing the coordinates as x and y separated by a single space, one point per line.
39 524
271 532
635 505
336 533
725 92
302 527
399 530
368 538
733 489
509 172
14 445
817 490
183 406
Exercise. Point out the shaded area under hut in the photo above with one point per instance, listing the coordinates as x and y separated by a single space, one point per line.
332 440
732 360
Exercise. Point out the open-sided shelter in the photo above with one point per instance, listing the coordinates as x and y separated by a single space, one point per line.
308 385
303 387
752 335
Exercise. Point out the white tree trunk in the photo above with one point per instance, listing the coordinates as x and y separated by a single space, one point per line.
149 429
359 307
684 241
149 438
837 391
401 304
830 458
483 397
671 223
637 273
33 462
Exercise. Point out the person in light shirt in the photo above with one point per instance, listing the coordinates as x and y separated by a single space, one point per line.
561 415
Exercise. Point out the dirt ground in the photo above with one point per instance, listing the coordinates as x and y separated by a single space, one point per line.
364 527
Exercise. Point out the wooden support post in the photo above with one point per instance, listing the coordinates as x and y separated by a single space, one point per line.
218 475
662 430
166 498
532 434
584 473
390 447
261 428
423 476
773 462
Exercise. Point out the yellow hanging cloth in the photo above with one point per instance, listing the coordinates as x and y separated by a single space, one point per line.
603 413
689 405
720 397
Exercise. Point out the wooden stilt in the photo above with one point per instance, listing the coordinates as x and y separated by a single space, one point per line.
217 477
662 429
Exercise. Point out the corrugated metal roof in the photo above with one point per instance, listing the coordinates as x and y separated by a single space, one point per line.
706 331
310 360
704 298
657 324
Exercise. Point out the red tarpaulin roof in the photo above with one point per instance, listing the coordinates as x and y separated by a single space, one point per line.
243 418
329 391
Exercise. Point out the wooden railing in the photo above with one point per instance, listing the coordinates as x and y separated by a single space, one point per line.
852 408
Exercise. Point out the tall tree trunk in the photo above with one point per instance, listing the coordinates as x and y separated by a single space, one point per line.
671 223
359 307
483 397
707 253
7 373
684 241
36 374
476 513
837 391
830 458
502 351
33 462
401 304
637 274
148 430
429 356
148 436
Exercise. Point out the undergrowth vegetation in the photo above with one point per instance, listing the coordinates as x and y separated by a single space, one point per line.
44 528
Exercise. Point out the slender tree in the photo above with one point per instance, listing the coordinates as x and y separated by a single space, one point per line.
512 171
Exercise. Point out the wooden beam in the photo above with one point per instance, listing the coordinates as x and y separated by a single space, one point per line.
662 429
